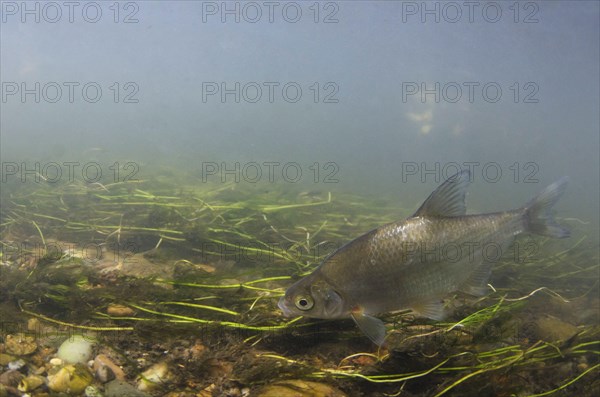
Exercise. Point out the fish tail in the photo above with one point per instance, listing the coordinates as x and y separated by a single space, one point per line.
538 217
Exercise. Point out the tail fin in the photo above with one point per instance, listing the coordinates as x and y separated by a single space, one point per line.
538 218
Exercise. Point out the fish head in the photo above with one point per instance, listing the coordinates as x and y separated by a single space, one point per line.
313 297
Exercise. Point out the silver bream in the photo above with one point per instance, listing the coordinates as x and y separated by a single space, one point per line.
415 263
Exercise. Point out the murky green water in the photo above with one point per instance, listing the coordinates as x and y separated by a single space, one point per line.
170 168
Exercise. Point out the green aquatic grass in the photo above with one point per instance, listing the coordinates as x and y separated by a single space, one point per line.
295 232
480 363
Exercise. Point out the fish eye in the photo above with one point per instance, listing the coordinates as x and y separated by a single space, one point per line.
304 302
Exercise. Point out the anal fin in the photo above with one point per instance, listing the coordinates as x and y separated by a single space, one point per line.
370 326
476 284
433 310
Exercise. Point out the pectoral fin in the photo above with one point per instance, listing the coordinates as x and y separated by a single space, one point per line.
370 326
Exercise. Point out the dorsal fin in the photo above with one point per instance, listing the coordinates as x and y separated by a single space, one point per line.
448 199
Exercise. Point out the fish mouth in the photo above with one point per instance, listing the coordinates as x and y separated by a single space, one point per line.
283 307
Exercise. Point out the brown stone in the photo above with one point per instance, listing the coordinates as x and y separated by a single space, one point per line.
11 378
299 388
119 310
20 344
102 363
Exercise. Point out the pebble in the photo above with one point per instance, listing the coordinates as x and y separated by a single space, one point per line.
6 358
76 349
56 362
20 344
71 379
104 374
118 388
154 377
92 391
17 364
582 367
119 310
34 325
207 391
106 370
299 388
206 268
30 383
11 378
553 329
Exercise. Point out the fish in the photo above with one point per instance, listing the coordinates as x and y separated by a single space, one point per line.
415 263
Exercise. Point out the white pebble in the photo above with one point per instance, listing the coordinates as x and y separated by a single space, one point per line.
16 365
56 362
76 349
